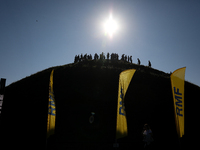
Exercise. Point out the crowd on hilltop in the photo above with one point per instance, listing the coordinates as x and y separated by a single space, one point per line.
113 56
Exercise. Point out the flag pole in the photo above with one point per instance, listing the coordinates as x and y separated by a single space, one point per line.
47 120
46 143
116 145
179 142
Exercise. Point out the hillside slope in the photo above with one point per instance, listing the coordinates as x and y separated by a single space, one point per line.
92 86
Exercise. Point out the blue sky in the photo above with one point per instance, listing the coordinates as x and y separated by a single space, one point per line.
38 34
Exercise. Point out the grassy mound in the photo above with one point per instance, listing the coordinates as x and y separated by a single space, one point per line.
92 86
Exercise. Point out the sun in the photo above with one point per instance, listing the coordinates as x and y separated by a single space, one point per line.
110 26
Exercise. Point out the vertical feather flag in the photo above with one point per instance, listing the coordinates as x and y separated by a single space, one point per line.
124 81
177 82
51 109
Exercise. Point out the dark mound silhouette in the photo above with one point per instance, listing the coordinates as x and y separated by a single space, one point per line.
92 86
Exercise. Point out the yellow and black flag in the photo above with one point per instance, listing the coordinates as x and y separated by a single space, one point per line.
124 81
177 82
51 109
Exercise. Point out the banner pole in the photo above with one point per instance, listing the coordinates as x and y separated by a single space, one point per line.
116 145
46 144
179 141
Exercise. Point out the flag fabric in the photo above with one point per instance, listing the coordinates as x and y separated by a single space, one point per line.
124 81
51 109
177 82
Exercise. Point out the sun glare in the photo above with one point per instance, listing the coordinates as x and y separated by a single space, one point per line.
110 26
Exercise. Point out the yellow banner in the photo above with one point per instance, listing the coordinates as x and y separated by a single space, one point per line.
177 82
51 109
124 81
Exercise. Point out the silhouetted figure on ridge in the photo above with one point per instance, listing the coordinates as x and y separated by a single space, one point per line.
122 57
96 56
113 56
108 55
138 61
75 59
102 56
149 64
125 58
90 57
131 59
85 56
81 57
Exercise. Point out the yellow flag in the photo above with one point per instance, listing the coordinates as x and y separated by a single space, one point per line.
51 109
124 81
177 82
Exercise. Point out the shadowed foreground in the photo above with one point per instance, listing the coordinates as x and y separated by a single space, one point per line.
92 86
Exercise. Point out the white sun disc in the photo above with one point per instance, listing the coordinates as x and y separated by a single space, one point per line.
110 26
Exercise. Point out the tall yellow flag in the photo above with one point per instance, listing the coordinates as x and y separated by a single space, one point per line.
124 81
177 82
51 109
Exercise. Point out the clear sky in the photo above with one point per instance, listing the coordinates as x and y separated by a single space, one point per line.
38 34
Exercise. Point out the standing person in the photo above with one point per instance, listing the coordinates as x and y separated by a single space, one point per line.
108 55
149 64
131 59
147 137
138 61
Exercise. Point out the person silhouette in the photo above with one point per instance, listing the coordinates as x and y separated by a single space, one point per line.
108 55
149 64
131 59
147 136
138 61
